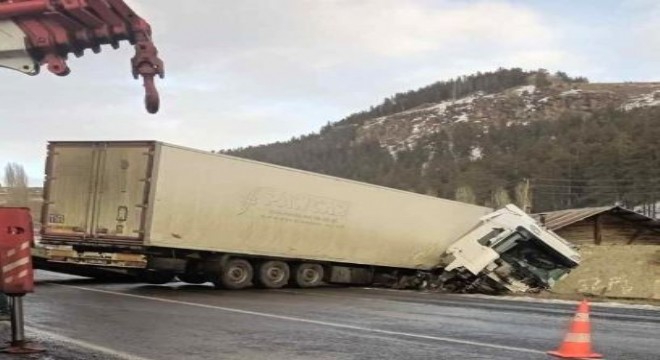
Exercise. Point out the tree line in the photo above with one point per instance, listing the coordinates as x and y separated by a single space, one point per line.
576 161
15 185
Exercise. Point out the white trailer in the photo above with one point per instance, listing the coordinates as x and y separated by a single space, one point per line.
206 216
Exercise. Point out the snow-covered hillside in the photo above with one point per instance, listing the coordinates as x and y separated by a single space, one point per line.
519 105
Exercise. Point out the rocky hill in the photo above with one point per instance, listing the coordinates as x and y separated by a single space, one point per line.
519 105
488 138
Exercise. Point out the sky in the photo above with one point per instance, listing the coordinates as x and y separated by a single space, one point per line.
251 72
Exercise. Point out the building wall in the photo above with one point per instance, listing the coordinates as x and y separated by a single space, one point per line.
614 230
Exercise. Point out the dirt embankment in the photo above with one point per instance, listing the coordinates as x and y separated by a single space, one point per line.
615 271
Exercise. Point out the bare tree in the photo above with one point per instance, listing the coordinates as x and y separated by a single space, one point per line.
500 198
430 191
466 195
523 196
16 182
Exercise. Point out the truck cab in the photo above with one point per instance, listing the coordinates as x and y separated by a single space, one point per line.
509 250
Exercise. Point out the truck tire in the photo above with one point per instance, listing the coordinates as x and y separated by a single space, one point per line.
307 275
192 278
273 274
236 274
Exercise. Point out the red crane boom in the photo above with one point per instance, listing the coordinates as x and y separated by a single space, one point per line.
45 32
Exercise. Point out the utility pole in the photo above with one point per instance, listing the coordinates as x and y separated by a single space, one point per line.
570 182
528 197
526 201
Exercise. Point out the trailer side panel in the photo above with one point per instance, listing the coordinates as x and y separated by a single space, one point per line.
219 203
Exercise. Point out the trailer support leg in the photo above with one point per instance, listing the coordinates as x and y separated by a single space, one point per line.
18 344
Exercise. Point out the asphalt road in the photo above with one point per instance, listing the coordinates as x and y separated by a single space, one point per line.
84 319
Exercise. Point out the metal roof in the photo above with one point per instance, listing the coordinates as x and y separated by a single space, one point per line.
555 220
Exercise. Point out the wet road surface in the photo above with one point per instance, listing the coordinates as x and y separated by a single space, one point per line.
179 321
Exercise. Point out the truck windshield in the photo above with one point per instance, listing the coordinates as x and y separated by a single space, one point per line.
533 261
490 237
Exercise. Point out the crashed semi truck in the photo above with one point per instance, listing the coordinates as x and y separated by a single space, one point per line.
161 211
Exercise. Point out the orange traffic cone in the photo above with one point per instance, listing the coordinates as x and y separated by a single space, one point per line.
577 343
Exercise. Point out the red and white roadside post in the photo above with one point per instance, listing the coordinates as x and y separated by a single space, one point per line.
16 273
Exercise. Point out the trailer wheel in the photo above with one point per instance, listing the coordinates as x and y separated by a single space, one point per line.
307 275
273 274
236 274
192 278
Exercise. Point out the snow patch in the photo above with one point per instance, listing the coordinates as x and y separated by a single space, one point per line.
527 89
374 122
476 153
403 130
441 108
529 107
527 94
571 92
645 100
392 150
461 118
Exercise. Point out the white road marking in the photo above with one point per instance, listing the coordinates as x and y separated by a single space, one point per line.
315 322
504 301
440 301
593 304
82 344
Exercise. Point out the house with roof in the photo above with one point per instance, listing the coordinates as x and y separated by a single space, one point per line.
620 251
605 225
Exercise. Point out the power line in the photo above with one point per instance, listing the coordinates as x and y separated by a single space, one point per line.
598 193
617 187
596 180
